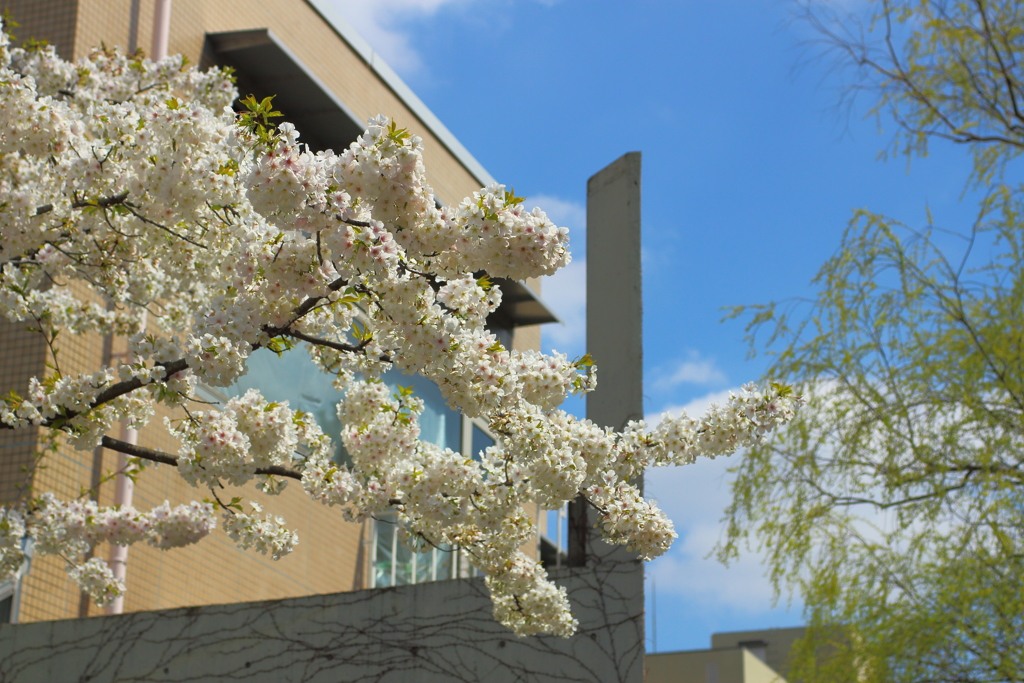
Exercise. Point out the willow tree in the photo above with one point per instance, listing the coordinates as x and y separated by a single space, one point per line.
893 505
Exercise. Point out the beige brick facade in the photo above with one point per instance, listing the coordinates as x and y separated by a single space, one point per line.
332 554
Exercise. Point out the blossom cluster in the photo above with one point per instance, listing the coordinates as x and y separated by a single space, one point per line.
97 580
250 433
267 535
132 189
12 530
71 528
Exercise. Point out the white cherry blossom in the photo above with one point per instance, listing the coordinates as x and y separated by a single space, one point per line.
132 191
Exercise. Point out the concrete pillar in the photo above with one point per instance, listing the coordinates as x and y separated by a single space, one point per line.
614 302
614 323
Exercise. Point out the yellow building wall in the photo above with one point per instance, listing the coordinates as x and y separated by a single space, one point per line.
778 642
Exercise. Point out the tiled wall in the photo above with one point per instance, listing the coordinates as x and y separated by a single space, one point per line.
49 20
22 355
328 558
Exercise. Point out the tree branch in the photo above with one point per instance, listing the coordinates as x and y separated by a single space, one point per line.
307 305
128 386
339 346
168 459
104 203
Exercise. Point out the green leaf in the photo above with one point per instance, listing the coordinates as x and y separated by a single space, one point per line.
584 361
511 199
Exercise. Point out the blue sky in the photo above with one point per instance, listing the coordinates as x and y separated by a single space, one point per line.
750 174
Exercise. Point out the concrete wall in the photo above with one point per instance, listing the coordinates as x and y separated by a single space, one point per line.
441 631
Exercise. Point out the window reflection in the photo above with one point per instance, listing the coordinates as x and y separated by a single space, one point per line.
439 424
295 378
481 441
394 564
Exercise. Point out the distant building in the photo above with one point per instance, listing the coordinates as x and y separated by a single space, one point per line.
734 657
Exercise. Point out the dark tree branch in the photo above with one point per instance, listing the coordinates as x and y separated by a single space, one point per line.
139 451
103 203
128 386
168 459
339 346
132 207
307 305
110 393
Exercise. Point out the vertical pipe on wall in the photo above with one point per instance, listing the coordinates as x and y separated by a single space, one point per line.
123 485
161 29
123 492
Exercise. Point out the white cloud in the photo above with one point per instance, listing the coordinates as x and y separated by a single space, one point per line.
694 408
566 291
695 497
382 24
692 370
388 25
564 213
688 572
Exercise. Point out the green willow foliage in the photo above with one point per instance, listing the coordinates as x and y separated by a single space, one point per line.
893 505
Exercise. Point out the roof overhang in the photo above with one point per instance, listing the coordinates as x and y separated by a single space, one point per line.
264 66
327 10
520 306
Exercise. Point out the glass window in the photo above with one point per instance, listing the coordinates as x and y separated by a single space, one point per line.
7 594
395 564
443 565
481 441
383 552
439 424
295 378
405 558
554 543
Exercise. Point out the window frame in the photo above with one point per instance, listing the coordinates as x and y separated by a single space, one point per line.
460 566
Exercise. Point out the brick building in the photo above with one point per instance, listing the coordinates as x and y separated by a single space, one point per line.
327 82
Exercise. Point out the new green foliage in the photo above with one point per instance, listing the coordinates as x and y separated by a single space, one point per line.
893 505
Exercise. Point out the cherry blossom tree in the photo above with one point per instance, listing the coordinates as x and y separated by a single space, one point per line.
136 184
